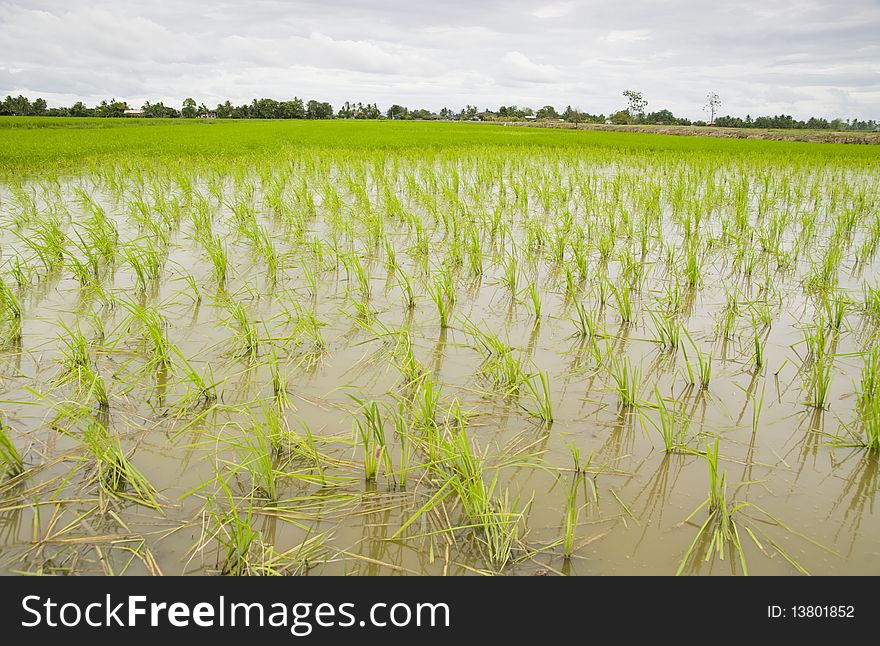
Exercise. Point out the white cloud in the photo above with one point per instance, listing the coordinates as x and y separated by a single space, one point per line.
822 59
554 10
517 66
627 35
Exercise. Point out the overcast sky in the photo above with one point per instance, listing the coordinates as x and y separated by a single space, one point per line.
797 57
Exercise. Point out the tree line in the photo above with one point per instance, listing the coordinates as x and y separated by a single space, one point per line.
634 113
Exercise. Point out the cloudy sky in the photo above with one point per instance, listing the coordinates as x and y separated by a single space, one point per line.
799 57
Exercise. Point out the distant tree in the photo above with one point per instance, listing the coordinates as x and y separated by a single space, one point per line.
265 109
572 115
318 110
621 117
39 107
189 108
297 108
19 106
224 110
547 112
421 114
79 109
158 110
713 101
661 117
637 103
291 109
397 112
370 112
112 109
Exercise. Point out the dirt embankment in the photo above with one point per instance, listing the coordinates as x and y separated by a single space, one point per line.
818 136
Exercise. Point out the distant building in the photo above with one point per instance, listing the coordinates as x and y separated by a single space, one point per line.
208 115
530 117
133 112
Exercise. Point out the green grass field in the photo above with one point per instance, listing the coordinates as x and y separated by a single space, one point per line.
68 144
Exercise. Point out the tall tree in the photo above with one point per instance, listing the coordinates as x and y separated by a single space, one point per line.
189 108
713 101
637 103
547 112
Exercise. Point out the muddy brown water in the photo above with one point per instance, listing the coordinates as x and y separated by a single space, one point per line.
809 498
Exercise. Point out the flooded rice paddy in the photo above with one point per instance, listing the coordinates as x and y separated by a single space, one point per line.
517 361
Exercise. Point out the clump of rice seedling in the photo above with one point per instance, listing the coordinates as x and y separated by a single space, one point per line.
535 298
835 311
720 523
674 425
115 473
760 357
204 386
425 403
219 255
543 406
627 378
704 367
438 294
572 513
279 382
11 464
587 323
819 365
246 335
668 330
721 531
77 359
10 317
407 448
692 267
403 279
244 550
372 433
624 302
155 328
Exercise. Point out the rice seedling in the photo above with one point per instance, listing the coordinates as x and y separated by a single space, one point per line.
586 325
11 463
155 329
371 430
247 339
10 316
542 407
674 425
624 302
572 513
819 366
535 299
409 299
627 379
114 472
704 367
668 330
760 356
219 256
438 291
835 311
204 388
